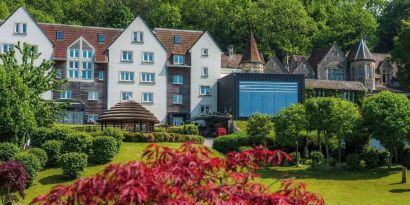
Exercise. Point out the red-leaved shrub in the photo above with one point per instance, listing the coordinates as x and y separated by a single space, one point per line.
13 178
187 175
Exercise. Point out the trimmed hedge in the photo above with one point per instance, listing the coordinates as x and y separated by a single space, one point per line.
40 154
231 142
161 137
104 149
53 150
8 151
78 142
40 135
30 163
117 134
187 129
73 164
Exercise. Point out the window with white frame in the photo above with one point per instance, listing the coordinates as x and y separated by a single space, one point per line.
88 54
126 76
178 59
147 77
73 69
100 75
20 28
87 71
204 72
177 39
138 37
205 109
126 56
126 96
74 53
7 47
92 95
148 57
204 52
204 90
177 79
58 73
177 99
92 118
65 94
147 97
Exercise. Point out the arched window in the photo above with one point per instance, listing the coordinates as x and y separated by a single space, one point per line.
80 57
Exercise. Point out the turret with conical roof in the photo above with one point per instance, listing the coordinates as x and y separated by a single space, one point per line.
251 60
362 64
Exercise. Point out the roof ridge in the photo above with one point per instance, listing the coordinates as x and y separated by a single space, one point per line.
183 30
80 26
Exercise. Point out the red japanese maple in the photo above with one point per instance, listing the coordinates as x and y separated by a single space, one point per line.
187 175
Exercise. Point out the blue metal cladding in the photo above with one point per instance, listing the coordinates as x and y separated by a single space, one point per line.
266 96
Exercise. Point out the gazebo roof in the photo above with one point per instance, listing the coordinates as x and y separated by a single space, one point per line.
128 111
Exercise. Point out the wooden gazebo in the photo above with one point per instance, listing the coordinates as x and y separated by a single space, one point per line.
129 115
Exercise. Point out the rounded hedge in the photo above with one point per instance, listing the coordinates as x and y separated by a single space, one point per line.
73 164
40 154
30 163
104 149
42 134
189 129
8 151
231 143
117 134
370 158
161 137
77 142
353 161
53 150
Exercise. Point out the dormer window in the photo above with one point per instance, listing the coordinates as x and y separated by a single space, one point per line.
138 37
101 38
20 28
204 52
177 39
80 61
59 35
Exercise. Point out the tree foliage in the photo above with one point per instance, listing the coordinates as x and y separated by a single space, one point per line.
13 178
259 127
400 54
187 175
289 123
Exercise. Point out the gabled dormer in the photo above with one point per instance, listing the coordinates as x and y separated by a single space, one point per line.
80 64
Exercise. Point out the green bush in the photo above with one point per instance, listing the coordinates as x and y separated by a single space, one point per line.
53 150
30 163
259 127
73 164
406 158
188 129
117 134
8 151
370 158
353 161
160 129
384 157
244 148
40 135
316 158
40 154
161 137
77 142
104 149
231 142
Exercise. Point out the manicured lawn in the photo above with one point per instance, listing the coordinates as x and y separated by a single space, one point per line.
48 178
338 187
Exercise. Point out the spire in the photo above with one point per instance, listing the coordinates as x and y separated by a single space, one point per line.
360 51
251 53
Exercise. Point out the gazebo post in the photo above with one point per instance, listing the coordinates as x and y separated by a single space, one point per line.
140 126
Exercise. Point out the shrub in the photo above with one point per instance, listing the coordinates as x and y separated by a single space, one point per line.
188 129
117 134
8 151
30 163
40 135
353 161
316 158
53 150
370 158
230 143
161 137
77 142
384 157
259 127
40 154
160 129
104 149
73 164
406 158
243 148
13 178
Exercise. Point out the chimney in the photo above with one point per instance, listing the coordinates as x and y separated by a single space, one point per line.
230 51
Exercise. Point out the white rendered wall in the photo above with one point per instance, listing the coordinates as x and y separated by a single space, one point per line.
159 88
34 36
213 62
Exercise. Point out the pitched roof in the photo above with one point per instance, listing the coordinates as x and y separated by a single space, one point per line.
318 55
128 111
251 52
228 62
275 66
72 33
360 51
334 85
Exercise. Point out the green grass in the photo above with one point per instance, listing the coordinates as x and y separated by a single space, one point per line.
376 187
48 178
242 125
